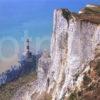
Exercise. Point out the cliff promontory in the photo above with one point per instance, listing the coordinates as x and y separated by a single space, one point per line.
74 64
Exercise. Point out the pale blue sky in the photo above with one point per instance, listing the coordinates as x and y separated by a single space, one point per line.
33 16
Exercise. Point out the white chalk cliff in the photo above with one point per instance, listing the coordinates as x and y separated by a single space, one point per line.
75 44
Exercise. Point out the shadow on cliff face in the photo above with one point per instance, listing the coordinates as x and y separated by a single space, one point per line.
91 86
91 82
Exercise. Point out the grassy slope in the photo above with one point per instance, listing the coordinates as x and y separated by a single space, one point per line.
8 90
91 14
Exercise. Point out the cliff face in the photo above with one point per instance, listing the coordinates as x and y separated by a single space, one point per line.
73 71
73 46
44 64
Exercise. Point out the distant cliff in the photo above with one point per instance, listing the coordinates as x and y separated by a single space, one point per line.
23 68
74 65
27 64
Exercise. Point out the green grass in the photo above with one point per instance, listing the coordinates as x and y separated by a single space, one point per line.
92 10
8 90
73 96
91 14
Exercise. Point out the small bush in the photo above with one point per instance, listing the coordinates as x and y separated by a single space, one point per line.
73 96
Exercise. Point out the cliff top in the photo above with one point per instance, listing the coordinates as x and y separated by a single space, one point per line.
90 9
90 13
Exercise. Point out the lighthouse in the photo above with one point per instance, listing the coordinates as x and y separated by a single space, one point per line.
28 53
27 45
28 60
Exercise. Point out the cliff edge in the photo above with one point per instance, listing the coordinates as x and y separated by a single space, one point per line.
76 41
74 66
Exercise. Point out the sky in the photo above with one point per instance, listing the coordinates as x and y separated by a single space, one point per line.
20 19
33 16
